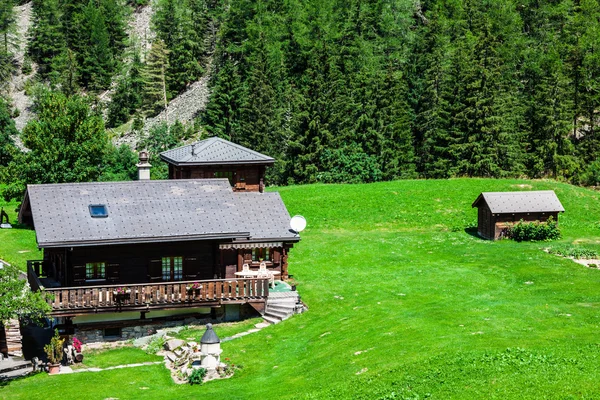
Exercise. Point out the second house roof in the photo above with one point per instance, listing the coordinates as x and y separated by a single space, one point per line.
214 151
521 202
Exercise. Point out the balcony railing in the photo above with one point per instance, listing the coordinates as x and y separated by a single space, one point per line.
147 296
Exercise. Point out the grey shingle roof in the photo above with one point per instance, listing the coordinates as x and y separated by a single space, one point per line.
155 211
521 202
213 151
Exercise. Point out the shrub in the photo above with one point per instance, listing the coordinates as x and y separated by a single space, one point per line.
26 68
575 252
54 349
197 376
155 345
527 231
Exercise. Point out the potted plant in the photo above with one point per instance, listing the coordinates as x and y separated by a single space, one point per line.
77 346
194 289
121 293
54 351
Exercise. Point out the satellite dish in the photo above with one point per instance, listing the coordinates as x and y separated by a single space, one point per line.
298 223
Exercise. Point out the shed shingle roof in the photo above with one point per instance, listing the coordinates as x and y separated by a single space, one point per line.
155 211
213 151
521 202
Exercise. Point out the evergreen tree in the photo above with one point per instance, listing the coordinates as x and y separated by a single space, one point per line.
7 132
222 112
46 37
97 64
7 21
128 94
154 76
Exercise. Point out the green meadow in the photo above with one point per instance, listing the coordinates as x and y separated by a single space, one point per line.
405 302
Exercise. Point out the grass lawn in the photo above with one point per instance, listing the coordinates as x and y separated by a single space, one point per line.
113 357
405 304
223 330
17 245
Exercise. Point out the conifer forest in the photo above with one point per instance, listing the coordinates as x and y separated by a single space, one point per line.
336 91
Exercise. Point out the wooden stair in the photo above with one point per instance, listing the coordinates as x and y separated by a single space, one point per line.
14 339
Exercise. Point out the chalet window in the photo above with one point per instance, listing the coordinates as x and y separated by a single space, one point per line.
263 253
95 271
225 174
98 211
172 268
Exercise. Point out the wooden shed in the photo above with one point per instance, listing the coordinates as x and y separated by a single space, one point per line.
219 158
498 211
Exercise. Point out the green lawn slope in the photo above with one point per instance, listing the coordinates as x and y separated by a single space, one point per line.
404 303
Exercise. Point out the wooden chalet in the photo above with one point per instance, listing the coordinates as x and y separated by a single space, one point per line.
219 158
498 211
147 247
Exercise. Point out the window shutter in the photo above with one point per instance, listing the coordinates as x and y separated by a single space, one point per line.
112 272
155 270
190 268
78 274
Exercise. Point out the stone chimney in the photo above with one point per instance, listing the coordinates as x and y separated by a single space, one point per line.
144 166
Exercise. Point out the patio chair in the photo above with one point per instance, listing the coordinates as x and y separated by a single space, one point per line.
245 268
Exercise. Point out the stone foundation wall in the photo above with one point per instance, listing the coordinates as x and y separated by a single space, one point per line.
92 334
131 331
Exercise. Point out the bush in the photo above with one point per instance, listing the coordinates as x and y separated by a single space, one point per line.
155 345
528 231
197 376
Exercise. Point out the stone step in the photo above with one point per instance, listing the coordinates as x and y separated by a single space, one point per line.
282 308
288 300
271 320
279 314
13 364
17 373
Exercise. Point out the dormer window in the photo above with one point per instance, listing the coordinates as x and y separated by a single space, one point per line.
98 211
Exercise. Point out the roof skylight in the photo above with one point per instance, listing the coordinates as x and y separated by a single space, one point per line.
98 211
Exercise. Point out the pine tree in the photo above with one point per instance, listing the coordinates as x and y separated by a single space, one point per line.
97 65
223 110
128 94
7 21
154 76
46 37
7 132
66 72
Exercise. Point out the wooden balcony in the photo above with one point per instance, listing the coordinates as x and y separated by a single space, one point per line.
71 301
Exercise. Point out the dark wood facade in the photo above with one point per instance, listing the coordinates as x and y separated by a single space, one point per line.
81 276
249 178
495 226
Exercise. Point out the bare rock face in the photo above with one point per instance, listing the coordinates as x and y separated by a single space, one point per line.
16 86
183 108
139 27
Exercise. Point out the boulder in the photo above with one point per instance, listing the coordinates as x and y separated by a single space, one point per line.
173 344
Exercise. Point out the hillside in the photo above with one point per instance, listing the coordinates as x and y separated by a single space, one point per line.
405 303
336 91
